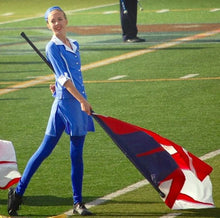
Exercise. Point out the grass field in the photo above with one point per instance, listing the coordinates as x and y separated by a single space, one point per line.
151 95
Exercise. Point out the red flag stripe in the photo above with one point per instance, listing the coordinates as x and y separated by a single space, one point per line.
159 149
187 198
8 162
178 180
12 182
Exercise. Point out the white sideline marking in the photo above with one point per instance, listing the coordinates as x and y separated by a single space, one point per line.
135 186
210 155
215 9
94 7
18 20
8 14
110 12
117 77
189 76
163 11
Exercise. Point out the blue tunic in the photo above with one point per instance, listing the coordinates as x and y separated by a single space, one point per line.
67 65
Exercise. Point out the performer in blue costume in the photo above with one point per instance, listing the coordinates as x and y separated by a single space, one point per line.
70 112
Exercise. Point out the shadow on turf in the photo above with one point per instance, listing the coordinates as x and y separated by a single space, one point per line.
123 209
13 99
212 212
21 62
47 200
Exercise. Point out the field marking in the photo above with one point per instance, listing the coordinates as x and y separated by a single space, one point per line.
106 5
26 84
7 14
135 186
214 10
112 60
110 12
67 12
163 11
110 80
149 80
189 76
90 8
149 50
5 83
117 77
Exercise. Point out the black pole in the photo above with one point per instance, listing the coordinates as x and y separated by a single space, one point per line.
37 50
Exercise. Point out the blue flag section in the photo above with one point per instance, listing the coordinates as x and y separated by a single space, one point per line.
166 165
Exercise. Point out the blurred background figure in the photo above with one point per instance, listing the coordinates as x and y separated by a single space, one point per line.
128 15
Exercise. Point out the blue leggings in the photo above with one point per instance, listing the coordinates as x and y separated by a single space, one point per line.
45 149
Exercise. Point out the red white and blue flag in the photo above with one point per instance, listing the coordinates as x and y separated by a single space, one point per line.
181 179
9 174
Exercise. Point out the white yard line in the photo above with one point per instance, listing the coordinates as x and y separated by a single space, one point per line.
117 193
19 20
117 77
210 155
189 76
135 186
214 10
163 11
90 8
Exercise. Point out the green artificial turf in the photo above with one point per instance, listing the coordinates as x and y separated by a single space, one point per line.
151 95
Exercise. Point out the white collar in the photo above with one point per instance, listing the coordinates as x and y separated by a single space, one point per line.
57 41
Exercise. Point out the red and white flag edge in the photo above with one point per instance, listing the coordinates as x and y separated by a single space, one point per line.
9 174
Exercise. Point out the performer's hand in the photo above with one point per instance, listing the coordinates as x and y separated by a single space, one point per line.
85 106
52 88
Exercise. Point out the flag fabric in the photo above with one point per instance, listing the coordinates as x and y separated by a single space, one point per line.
9 174
181 178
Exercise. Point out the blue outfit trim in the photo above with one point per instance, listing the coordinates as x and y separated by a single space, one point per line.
66 114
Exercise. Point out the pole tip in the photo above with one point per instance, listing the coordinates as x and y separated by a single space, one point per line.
162 195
